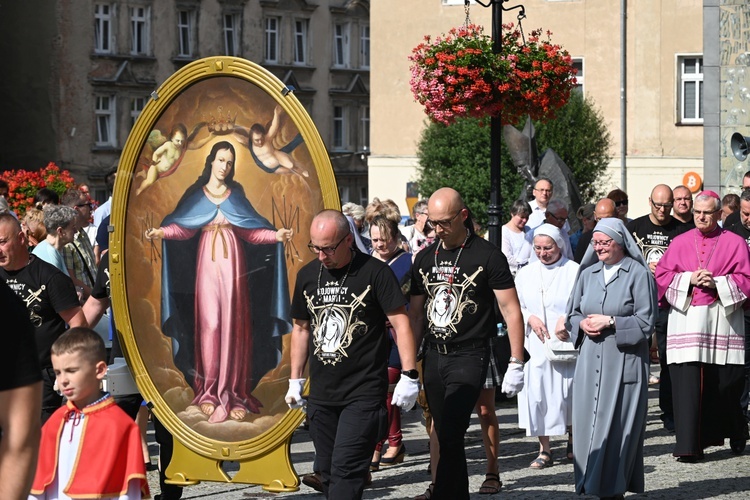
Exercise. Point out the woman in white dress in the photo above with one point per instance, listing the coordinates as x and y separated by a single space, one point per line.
516 237
544 286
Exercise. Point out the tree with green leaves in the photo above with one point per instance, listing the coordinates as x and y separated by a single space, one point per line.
458 156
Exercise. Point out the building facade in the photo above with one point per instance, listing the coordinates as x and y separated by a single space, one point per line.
664 88
96 63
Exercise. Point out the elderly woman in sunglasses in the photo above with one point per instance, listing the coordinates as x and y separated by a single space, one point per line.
611 314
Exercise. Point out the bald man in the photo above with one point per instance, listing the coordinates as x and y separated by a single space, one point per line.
653 233
454 285
683 204
340 306
604 208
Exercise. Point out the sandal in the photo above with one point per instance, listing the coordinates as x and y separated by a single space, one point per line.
427 495
491 484
569 448
541 462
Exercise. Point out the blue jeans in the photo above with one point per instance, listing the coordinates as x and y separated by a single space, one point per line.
344 437
452 383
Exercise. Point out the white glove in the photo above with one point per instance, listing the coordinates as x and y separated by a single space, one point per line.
405 393
513 380
294 395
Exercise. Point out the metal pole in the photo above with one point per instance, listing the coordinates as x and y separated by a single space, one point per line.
493 210
623 95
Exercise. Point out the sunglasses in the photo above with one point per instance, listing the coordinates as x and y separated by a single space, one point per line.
621 203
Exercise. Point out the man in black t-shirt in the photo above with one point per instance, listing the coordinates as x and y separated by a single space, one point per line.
340 306
455 284
50 298
20 398
653 233
742 228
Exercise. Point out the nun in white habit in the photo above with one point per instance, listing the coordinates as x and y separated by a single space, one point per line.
544 286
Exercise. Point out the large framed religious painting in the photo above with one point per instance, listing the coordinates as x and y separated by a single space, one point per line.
215 192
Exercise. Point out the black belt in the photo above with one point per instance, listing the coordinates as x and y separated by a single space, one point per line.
456 346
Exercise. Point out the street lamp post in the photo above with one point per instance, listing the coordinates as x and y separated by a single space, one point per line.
493 210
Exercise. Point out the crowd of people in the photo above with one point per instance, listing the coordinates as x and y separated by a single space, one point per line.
387 315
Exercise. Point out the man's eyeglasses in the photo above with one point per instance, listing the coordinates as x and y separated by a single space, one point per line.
662 205
705 212
87 204
601 243
558 219
326 250
445 223
621 203
548 191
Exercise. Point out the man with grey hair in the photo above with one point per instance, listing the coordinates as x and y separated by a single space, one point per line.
60 223
79 254
705 277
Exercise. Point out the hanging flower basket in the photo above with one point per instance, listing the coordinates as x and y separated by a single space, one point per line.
458 75
24 184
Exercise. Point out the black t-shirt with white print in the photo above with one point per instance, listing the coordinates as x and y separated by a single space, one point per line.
653 239
464 310
45 291
348 342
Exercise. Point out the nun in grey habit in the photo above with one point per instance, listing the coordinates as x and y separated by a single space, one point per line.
611 314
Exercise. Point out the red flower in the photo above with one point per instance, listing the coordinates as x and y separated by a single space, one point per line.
459 75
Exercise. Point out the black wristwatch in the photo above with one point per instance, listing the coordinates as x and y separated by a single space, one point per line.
412 374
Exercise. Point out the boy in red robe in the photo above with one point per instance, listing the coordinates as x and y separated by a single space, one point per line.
90 448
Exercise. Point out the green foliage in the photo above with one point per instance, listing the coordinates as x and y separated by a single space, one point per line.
580 137
458 156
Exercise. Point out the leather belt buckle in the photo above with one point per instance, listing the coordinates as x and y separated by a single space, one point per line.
441 348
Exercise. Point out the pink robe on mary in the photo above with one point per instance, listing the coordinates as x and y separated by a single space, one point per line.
223 326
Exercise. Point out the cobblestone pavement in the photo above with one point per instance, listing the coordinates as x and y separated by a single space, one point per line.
720 475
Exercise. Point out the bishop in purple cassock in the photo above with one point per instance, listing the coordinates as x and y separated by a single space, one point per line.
705 277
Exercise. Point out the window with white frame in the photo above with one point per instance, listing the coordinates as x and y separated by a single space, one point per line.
578 65
271 47
103 39
136 107
364 128
690 69
106 132
344 194
186 24
140 30
232 34
340 128
301 29
341 45
364 46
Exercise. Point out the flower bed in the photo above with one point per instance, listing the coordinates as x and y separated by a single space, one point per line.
458 74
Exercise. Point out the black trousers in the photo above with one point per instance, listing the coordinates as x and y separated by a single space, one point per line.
745 400
665 379
344 437
707 406
164 438
452 383
51 400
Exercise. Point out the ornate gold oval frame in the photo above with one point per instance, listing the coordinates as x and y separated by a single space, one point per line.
264 458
